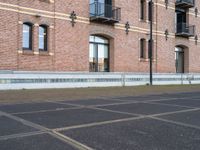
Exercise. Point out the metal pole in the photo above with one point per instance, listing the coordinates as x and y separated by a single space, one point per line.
151 41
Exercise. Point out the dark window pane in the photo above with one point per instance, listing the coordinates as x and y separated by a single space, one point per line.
142 9
151 11
142 48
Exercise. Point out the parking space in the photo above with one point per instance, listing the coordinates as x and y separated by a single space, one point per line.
72 117
29 107
138 98
143 108
168 121
182 102
9 126
190 117
143 134
92 102
35 142
194 95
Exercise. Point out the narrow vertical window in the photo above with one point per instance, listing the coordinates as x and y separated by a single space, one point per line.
152 52
142 48
142 9
27 36
151 11
43 38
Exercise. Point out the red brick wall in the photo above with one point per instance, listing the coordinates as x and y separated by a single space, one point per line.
8 39
68 47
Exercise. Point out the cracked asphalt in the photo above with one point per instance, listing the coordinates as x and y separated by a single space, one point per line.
150 122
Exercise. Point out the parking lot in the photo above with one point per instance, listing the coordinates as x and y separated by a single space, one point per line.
151 122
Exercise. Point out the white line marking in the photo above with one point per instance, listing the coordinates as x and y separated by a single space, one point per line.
173 105
177 123
174 112
70 141
43 111
99 123
6 137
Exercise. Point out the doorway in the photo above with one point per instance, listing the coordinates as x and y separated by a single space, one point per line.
179 60
181 19
98 54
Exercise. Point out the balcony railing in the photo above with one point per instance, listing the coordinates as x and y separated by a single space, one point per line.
185 3
104 13
185 30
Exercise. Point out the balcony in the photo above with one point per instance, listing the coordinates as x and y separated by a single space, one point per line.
185 30
104 13
185 3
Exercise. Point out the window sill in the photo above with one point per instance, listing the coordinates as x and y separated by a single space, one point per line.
27 52
143 60
146 21
143 20
146 60
43 53
31 52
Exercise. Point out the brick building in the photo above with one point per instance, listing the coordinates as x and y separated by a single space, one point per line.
99 35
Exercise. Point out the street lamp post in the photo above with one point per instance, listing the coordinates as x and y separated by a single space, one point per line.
151 41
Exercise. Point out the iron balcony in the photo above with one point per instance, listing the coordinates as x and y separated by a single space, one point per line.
104 13
185 30
185 3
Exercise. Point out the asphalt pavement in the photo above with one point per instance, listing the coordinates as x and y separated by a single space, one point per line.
150 122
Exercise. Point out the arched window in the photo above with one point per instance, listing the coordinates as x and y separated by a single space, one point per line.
142 9
43 39
142 48
27 36
98 54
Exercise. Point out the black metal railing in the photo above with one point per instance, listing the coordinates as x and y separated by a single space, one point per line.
185 29
102 10
185 3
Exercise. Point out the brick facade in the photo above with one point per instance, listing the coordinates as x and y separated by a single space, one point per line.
68 47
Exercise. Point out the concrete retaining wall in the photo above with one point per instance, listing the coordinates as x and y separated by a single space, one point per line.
40 80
